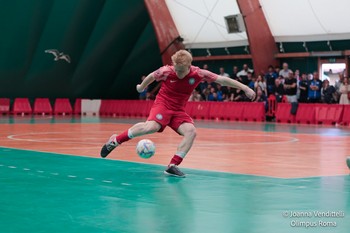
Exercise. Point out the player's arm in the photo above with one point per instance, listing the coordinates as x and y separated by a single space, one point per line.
147 81
225 81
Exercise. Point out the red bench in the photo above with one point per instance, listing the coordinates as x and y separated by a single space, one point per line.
62 107
21 106
4 105
42 106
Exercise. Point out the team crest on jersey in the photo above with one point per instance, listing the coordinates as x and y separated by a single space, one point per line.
191 81
159 116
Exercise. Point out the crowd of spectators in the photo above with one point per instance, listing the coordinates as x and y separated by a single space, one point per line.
283 83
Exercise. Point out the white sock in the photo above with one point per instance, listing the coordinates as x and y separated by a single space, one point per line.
130 134
181 154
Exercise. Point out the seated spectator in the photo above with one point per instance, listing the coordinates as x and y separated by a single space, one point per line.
278 90
270 78
260 82
240 96
231 92
314 89
328 93
206 92
251 80
195 96
303 87
344 90
290 88
213 96
260 97
222 72
221 92
202 86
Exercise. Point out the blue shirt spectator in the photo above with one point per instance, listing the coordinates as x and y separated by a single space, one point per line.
314 89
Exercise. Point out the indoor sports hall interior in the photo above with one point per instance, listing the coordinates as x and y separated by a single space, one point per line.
277 164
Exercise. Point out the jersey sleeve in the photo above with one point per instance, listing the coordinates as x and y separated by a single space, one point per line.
162 73
207 75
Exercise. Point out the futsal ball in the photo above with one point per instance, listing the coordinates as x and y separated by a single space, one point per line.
145 148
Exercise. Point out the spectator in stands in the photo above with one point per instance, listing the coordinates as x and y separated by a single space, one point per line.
231 92
261 97
344 90
143 95
222 72
338 82
290 88
243 74
220 93
260 82
205 67
251 80
195 96
328 93
239 96
303 87
298 78
314 89
270 78
277 70
284 72
213 96
206 92
279 90
234 73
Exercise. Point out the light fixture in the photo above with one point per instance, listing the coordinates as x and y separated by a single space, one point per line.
208 53
305 47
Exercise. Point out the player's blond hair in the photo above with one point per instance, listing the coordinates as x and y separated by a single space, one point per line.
182 57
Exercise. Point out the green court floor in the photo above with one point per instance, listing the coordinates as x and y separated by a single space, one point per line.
45 192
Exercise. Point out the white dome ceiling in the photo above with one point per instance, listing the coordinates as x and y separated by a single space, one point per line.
201 22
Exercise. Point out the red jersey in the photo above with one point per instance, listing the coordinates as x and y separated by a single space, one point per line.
174 92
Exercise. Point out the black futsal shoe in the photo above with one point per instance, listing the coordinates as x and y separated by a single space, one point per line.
173 170
109 146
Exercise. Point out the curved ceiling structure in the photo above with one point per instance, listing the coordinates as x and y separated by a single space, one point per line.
307 20
201 22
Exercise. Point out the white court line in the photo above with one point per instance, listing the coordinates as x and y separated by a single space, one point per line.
40 171
12 167
126 184
88 178
71 176
67 140
1 165
26 169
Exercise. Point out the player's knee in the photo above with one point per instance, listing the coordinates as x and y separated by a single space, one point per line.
191 132
151 127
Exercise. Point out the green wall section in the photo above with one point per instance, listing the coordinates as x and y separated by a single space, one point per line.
111 44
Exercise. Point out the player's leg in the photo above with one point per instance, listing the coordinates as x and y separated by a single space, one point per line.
136 130
158 118
182 124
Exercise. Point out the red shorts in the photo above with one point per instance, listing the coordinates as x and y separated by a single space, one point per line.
166 117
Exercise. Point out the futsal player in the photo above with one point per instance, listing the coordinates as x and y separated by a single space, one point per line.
178 82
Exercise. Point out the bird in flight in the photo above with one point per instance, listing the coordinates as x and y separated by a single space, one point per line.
58 55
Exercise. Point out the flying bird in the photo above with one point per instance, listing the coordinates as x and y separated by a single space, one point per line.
58 55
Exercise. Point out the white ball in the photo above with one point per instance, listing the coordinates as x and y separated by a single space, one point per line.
145 148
